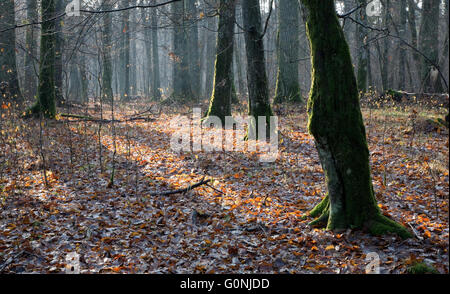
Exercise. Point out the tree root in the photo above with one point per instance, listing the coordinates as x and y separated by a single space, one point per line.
377 225
381 225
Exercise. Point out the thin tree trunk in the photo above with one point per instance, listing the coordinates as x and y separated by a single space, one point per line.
59 46
106 54
156 86
193 44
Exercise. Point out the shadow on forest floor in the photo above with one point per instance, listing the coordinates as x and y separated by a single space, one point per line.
249 221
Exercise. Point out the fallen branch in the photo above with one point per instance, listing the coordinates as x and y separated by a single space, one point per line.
165 193
82 118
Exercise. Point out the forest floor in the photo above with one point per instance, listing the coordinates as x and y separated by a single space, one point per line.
57 197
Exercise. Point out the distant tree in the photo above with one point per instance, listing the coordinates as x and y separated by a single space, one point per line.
107 91
220 102
59 48
193 47
258 92
8 67
46 96
288 87
336 122
429 44
30 81
362 47
125 53
182 90
210 54
156 85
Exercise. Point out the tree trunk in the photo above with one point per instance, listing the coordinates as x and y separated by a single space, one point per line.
59 46
148 68
220 103
210 55
156 85
132 34
106 54
429 45
30 85
287 86
336 123
8 67
182 90
46 97
258 91
193 44
413 29
402 49
363 50
125 53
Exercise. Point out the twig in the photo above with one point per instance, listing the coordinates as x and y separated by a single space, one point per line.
202 182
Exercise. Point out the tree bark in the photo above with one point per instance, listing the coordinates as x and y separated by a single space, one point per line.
182 90
220 102
107 91
287 85
156 85
30 84
258 91
363 48
125 53
429 44
336 123
193 44
8 67
59 46
46 96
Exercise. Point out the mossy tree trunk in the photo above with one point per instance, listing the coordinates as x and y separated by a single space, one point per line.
336 123
46 97
258 92
107 91
182 90
220 102
8 67
287 86
156 85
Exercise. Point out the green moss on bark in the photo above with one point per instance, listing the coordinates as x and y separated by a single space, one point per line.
45 103
336 123
220 103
